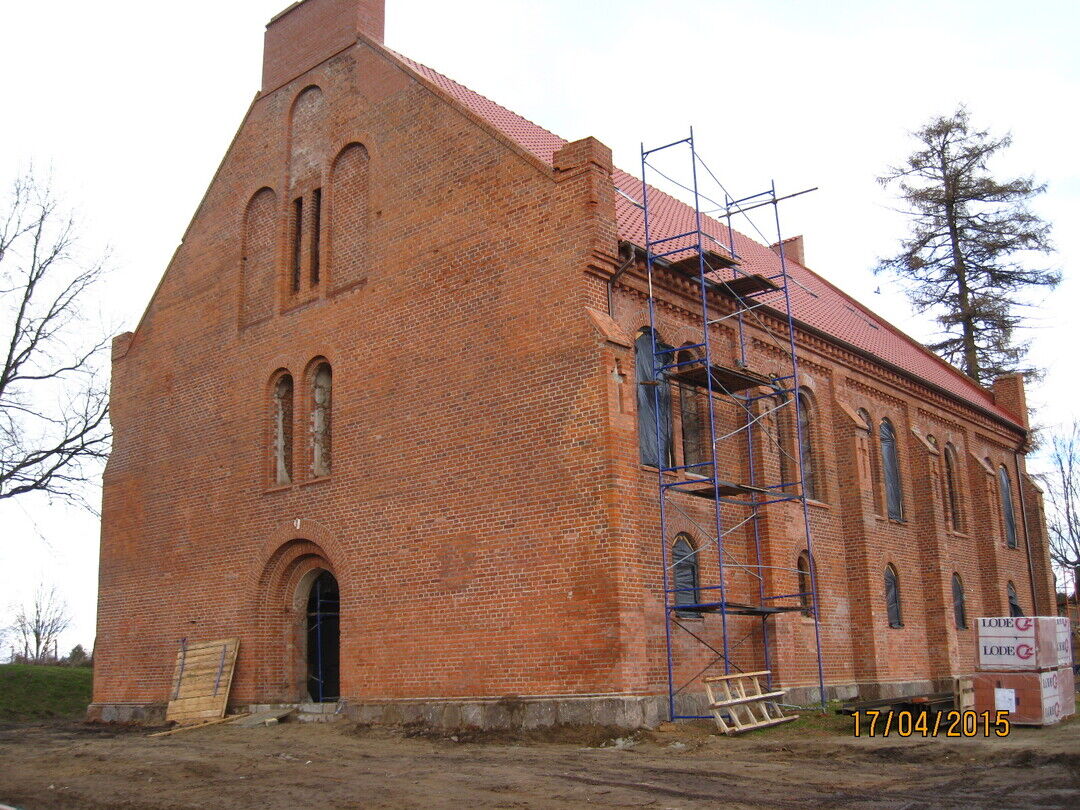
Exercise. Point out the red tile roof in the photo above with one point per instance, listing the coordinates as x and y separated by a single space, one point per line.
814 301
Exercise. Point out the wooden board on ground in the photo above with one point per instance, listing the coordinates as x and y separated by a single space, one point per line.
267 718
201 683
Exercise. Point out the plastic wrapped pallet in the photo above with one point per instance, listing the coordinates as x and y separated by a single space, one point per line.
1030 698
1023 643
1063 634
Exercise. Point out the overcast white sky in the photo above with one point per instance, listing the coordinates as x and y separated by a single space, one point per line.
132 105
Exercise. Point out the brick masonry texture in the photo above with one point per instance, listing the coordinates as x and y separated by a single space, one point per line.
486 515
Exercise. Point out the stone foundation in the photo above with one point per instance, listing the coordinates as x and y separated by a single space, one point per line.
142 714
512 712
621 711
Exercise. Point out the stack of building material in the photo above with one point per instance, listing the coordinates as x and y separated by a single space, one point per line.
1025 668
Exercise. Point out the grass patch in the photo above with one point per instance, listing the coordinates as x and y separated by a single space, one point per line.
813 723
30 692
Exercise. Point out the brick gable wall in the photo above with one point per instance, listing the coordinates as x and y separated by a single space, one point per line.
462 516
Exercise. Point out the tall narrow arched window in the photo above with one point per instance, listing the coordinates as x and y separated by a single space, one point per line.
684 565
695 438
952 490
892 597
321 399
1008 517
1014 601
890 466
806 449
958 606
281 429
875 484
653 400
806 591
780 405
258 257
348 219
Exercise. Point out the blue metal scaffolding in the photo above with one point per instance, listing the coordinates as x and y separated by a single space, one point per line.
726 293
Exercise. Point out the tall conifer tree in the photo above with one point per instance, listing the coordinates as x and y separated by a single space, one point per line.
966 259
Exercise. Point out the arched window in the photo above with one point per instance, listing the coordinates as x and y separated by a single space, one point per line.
892 597
685 567
321 420
958 606
780 421
653 400
875 484
258 257
806 591
806 449
890 466
281 427
1014 601
695 437
952 490
347 218
1008 517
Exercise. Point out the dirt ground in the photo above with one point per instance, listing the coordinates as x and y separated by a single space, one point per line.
297 765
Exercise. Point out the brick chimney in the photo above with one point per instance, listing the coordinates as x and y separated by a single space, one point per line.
308 32
793 249
1009 394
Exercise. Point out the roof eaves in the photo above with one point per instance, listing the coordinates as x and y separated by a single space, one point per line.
403 64
995 414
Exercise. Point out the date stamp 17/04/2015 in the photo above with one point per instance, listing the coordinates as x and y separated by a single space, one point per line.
873 723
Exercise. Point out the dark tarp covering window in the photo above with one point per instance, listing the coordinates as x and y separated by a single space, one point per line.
892 597
951 494
694 437
1014 602
890 464
959 611
684 564
805 595
653 401
1007 513
806 451
782 420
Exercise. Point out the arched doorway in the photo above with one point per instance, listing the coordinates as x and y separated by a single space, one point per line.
323 639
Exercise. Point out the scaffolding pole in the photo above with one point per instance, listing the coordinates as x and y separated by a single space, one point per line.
716 270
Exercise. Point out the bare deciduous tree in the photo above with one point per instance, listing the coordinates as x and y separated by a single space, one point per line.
54 429
1062 486
964 258
38 626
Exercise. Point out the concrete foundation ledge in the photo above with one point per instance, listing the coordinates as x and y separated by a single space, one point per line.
513 712
869 690
145 714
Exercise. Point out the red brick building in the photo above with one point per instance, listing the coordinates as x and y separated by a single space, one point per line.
387 385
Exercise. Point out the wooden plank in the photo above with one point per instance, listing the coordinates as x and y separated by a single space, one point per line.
264 718
213 722
206 713
739 726
202 659
196 703
747 699
717 678
203 678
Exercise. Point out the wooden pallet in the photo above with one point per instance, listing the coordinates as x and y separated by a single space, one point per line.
964 694
200 687
740 704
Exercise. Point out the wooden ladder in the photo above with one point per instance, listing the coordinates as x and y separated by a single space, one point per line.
747 706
